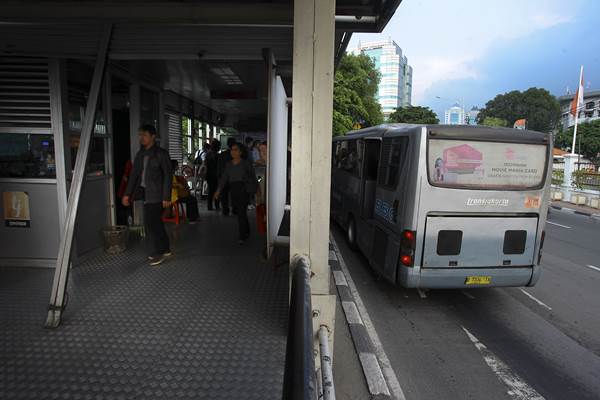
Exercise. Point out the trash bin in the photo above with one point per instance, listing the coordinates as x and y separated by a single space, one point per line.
115 238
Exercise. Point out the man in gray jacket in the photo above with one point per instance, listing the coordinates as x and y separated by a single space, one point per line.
151 180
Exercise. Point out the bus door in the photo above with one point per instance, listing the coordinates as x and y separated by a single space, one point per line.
389 205
369 182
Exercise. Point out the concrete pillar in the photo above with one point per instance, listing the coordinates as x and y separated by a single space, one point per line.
312 110
570 167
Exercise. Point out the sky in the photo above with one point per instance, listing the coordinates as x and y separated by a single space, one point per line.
468 51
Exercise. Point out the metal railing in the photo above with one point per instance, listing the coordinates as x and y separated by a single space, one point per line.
301 381
586 176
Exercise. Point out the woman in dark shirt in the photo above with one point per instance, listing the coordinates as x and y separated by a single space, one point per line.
240 177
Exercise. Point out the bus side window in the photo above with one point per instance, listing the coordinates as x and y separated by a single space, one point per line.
394 151
349 156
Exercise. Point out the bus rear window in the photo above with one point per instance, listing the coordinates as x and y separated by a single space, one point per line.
486 165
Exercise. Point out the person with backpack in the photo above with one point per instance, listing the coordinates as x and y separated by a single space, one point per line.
240 177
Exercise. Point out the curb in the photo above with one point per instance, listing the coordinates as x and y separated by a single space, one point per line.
574 211
358 324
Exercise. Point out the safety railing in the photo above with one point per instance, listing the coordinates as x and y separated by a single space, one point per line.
301 381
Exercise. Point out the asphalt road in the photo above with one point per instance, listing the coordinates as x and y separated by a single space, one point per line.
547 335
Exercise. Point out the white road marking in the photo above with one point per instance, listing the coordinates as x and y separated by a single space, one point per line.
422 293
340 279
562 226
332 255
518 388
374 376
386 366
352 314
541 303
593 267
467 294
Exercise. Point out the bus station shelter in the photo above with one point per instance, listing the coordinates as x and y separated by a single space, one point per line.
77 79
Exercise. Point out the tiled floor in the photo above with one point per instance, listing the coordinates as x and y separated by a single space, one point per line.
210 323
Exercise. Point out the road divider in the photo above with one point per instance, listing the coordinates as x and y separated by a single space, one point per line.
575 211
381 378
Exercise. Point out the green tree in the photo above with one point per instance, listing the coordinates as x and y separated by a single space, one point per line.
588 138
414 115
354 94
492 121
536 105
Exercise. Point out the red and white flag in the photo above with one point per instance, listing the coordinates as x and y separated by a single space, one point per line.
578 99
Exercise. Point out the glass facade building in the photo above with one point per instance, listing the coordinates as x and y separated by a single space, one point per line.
455 115
395 87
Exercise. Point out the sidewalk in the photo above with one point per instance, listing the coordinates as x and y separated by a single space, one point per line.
577 209
209 323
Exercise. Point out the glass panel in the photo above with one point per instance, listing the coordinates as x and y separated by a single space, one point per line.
149 107
79 77
27 156
486 165
96 164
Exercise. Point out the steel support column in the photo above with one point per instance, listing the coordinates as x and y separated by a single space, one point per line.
58 104
63 262
135 98
108 149
312 111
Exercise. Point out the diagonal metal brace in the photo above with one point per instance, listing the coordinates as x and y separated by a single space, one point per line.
63 261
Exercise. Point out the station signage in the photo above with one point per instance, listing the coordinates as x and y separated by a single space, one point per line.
16 209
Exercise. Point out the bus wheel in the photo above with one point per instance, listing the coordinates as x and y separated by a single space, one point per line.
351 233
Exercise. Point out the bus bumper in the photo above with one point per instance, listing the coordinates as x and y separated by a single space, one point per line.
455 278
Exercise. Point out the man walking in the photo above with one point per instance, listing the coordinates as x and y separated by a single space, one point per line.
151 181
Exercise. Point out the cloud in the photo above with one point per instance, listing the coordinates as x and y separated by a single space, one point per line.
447 41
435 69
542 21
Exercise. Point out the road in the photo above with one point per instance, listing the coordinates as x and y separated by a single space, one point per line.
542 341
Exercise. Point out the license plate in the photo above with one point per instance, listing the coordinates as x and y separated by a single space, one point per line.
478 280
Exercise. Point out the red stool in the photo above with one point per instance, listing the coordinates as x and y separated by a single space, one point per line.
175 207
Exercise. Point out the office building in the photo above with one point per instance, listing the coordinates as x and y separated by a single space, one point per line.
395 87
471 116
455 115
588 111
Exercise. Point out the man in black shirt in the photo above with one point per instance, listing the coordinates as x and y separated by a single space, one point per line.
151 181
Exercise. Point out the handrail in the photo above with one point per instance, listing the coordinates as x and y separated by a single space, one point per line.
326 387
299 381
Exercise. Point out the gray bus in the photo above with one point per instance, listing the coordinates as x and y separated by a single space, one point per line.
444 206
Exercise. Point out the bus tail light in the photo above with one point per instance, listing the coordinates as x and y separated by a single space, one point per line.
406 260
409 239
407 248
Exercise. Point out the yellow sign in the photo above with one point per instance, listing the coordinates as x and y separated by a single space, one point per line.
16 209
478 280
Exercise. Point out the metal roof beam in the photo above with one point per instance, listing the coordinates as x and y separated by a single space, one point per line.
197 13
355 19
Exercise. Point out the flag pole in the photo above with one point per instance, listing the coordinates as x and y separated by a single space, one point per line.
577 112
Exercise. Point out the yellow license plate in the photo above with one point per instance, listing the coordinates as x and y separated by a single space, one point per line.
478 280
